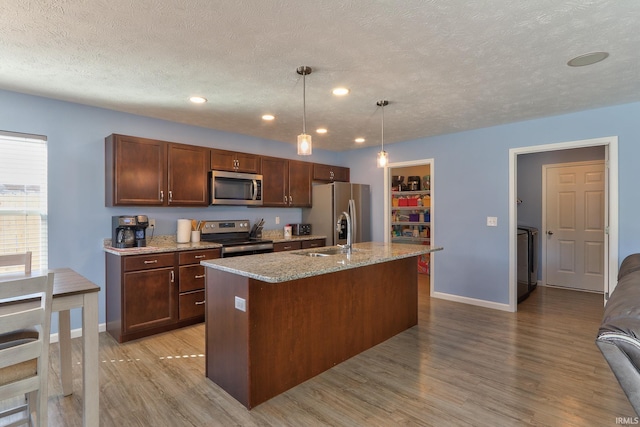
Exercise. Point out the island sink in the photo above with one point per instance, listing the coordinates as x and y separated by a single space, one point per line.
327 252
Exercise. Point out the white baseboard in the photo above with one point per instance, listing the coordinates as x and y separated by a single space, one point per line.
77 333
471 301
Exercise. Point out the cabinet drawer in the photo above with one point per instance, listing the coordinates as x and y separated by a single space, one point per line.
194 257
191 304
145 262
191 278
316 243
286 246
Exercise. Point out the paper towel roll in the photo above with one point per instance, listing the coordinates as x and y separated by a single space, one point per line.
184 231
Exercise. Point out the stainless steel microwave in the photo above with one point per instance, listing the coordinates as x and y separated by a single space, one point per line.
232 188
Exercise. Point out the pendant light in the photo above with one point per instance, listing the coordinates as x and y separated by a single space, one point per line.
383 157
304 140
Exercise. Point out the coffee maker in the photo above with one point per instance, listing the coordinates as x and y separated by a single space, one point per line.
129 231
140 230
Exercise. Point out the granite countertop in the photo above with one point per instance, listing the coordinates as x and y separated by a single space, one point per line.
291 265
159 244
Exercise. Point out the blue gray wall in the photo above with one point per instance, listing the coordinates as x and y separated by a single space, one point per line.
471 174
471 181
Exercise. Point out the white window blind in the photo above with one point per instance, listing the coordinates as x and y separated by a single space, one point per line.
23 196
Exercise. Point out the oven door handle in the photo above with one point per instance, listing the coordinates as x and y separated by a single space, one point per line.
254 191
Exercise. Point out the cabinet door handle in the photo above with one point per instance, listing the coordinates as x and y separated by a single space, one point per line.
199 256
286 248
161 196
290 200
154 261
200 302
172 276
200 276
170 196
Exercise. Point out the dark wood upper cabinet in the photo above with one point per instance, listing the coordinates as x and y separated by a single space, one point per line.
275 191
328 173
224 160
286 183
147 172
135 171
187 169
300 183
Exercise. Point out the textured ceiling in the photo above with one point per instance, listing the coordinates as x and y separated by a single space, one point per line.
444 65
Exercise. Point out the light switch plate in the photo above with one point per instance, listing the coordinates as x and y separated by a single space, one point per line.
492 221
241 304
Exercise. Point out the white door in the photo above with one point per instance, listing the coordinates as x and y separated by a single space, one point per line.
575 221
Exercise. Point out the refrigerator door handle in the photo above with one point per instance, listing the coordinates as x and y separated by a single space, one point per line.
354 224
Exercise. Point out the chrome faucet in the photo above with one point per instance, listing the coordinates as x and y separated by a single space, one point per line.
349 231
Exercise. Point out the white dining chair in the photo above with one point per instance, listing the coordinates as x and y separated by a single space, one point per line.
17 259
25 303
24 261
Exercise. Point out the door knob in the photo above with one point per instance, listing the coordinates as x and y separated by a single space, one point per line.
550 233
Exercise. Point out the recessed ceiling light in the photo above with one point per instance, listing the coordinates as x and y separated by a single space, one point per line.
198 99
359 140
268 117
321 130
340 91
587 59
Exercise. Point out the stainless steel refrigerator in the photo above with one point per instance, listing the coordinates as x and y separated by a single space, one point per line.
329 201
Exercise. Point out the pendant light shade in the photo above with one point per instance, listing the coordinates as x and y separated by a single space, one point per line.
304 141
383 159
383 156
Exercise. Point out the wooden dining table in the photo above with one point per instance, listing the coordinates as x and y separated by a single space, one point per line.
72 290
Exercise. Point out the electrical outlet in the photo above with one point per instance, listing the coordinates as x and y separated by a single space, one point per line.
152 223
241 304
277 220
492 221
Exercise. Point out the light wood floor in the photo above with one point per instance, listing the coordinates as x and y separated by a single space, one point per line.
461 366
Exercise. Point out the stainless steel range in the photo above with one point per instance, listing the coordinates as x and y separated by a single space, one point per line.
236 237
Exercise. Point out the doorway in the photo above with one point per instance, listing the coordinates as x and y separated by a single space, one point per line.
573 221
408 208
610 244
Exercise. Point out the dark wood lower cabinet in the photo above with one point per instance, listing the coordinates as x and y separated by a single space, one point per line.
153 293
298 244
150 299
314 243
287 246
191 279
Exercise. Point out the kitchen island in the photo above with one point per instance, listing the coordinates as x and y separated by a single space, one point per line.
275 320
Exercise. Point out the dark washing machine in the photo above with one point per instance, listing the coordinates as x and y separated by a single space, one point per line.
527 261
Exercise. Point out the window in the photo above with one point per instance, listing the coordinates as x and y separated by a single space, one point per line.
23 196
